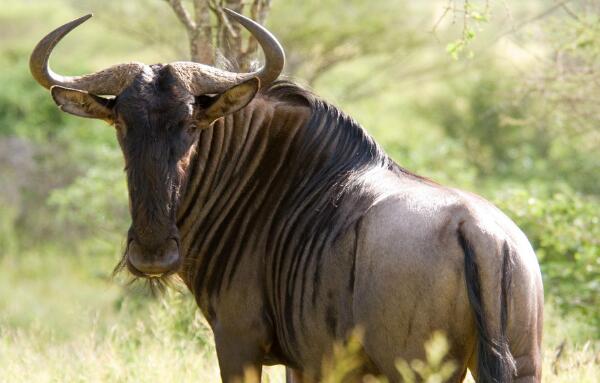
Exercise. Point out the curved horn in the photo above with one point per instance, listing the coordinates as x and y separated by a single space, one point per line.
109 81
203 79
274 54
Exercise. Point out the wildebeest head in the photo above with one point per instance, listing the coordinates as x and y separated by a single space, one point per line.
158 111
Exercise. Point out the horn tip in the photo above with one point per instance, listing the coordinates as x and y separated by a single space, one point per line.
231 13
81 20
78 21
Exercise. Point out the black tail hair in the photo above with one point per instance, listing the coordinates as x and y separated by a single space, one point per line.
495 363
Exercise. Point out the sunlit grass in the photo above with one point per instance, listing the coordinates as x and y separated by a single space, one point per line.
147 349
62 321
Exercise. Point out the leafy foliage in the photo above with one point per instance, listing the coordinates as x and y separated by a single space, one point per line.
435 368
94 204
564 228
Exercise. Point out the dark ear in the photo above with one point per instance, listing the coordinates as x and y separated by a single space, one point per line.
82 104
231 100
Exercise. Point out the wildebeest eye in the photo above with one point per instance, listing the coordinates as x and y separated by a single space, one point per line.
205 100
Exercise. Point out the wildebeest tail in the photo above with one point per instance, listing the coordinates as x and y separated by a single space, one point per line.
495 363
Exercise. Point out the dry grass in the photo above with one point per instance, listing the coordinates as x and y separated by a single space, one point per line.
148 354
61 323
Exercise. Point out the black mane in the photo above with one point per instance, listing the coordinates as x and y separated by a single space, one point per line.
328 195
353 141
371 153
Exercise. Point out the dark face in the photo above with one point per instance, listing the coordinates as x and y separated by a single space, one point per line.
158 122
156 128
157 112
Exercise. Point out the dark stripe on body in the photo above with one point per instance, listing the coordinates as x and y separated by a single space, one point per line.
280 191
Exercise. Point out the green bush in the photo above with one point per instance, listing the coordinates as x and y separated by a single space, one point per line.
94 203
564 229
76 175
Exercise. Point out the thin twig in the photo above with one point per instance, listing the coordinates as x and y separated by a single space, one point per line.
573 14
182 14
202 16
225 20
442 17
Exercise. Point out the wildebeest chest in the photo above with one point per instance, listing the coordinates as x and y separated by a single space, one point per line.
268 221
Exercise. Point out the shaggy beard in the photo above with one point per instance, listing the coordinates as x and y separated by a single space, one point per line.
156 285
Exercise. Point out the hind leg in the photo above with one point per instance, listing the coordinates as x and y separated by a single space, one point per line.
525 345
526 317
528 367
526 348
525 325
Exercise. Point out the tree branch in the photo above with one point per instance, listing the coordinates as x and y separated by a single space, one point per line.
202 16
225 20
206 32
182 14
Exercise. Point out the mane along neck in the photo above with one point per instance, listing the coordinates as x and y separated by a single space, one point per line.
270 180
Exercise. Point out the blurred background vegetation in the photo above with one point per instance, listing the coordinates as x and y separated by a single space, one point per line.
498 97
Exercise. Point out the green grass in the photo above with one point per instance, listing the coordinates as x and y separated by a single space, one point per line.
63 319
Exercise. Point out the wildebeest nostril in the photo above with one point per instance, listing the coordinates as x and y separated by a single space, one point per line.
157 262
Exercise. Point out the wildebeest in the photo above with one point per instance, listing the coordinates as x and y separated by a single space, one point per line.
291 226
